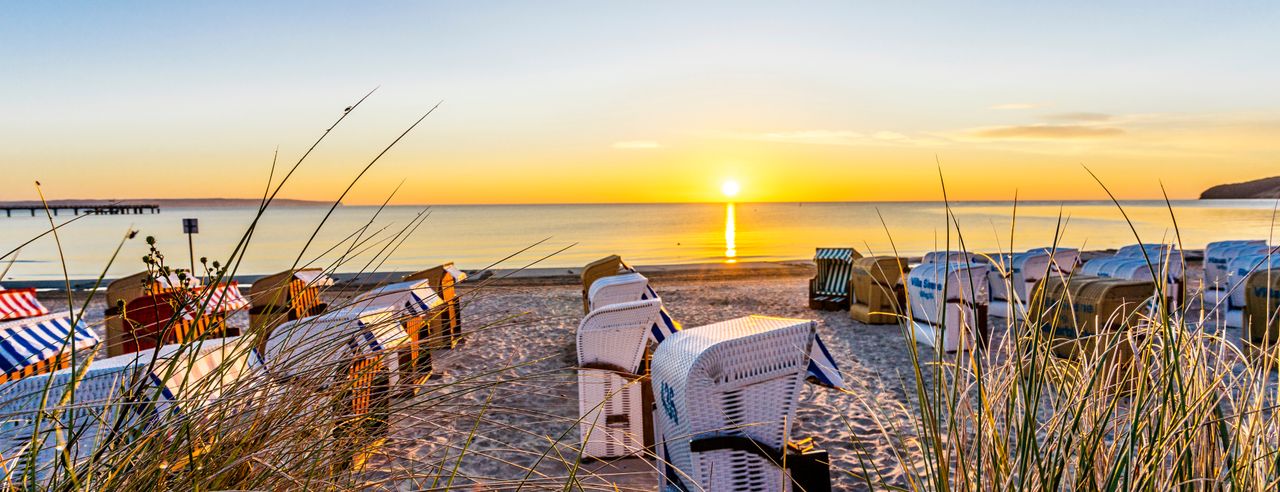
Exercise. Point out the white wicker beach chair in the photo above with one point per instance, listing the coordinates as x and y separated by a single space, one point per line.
949 304
1022 272
139 391
301 347
627 287
1239 271
1131 263
727 395
611 343
1217 266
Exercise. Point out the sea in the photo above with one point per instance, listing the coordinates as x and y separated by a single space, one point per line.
367 238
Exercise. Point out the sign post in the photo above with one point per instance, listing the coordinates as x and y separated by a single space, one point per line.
191 227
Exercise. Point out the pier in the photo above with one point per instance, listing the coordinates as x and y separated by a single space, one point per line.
85 208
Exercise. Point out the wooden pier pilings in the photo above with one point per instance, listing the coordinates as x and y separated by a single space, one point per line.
85 208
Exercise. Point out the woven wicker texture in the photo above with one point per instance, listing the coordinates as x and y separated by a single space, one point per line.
448 322
1262 298
877 288
1075 310
116 386
605 267
286 296
626 287
737 377
948 303
611 343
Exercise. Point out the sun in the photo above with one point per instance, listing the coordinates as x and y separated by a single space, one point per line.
730 188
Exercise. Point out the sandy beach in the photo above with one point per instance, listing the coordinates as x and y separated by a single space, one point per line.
503 409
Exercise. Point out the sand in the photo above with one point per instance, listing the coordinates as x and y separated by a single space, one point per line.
509 394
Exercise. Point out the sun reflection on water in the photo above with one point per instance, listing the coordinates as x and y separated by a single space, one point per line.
730 235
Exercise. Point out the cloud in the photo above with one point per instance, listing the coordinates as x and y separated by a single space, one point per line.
1015 106
637 145
1047 132
1083 117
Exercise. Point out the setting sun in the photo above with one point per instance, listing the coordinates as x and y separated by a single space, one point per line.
730 188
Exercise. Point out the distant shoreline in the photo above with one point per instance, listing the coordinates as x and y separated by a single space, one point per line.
171 202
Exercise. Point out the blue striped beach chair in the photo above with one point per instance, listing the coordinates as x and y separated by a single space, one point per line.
34 341
829 289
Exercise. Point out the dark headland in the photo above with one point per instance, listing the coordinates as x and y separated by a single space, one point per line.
1258 188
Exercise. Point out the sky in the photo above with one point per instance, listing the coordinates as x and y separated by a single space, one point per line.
566 102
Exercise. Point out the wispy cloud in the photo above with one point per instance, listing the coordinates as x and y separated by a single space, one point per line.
1016 106
1047 132
637 145
1082 117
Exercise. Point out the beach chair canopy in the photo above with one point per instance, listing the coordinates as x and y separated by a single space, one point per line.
409 298
952 257
834 265
1218 256
627 287
733 382
1241 268
141 391
303 346
49 339
20 303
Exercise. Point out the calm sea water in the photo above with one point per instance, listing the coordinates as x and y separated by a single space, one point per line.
477 236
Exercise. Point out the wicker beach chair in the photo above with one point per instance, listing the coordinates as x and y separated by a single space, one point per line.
727 400
952 257
135 394
1262 310
443 279
949 304
1013 283
1144 262
357 351
612 399
286 296
416 306
626 287
605 267
179 315
1091 316
124 290
1218 256
1238 273
829 289
878 293
35 341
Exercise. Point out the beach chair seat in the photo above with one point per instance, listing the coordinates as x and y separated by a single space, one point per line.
877 291
727 396
625 287
119 398
613 401
38 345
443 280
286 296
949 304
829 288
605 267
417 307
